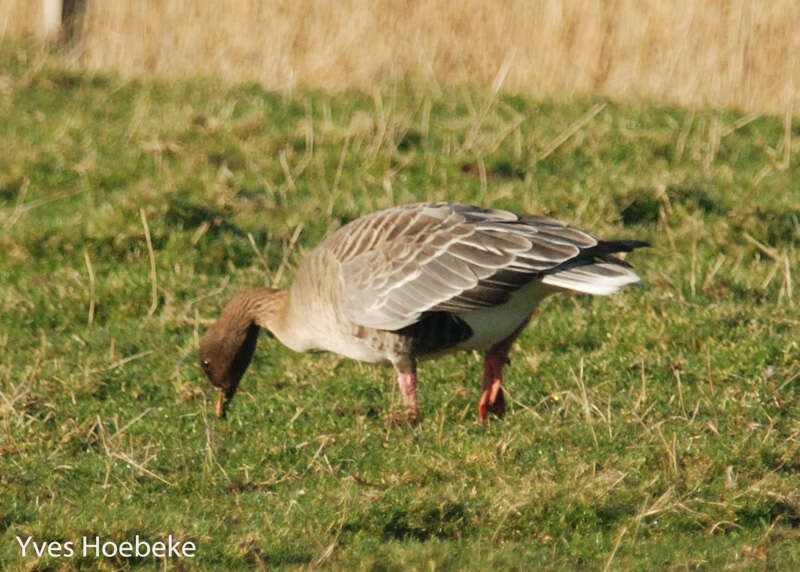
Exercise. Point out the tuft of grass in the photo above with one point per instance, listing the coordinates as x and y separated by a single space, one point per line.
656 428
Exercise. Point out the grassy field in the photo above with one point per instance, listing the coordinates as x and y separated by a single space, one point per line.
656 428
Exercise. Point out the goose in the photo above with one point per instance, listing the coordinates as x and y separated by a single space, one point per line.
415 282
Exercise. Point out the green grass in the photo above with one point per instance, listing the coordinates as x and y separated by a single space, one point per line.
656 428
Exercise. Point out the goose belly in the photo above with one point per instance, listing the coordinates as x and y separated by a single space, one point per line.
355 348
492 325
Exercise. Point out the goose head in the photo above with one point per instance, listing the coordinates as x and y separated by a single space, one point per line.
227 347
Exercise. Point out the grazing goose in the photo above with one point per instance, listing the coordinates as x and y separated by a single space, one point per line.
416 282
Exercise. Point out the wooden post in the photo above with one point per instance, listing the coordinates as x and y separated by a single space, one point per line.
62 19
51 17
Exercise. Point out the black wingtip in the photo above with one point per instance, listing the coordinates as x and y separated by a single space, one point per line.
624 245
606 249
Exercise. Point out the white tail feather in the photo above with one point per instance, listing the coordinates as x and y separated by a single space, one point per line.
600 279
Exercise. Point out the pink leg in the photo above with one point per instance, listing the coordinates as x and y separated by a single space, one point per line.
408 388
407 380
492 400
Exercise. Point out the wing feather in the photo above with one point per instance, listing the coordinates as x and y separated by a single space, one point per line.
400 263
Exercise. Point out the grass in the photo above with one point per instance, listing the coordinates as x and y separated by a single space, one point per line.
656 428
735 54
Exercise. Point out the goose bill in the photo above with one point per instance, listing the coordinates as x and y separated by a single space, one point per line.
220 404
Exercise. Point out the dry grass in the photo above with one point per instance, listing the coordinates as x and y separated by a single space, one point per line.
19 17
734 53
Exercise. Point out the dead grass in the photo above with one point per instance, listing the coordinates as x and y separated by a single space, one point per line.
19 17
734 53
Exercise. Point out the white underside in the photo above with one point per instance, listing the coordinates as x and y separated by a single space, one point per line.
353 348
495 324
492 325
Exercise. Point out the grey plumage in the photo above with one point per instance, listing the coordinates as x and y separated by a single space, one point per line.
399 263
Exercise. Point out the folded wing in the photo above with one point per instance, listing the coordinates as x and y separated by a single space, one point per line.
400 263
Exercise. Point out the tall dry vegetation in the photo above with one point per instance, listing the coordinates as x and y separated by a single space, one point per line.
19 17
732 53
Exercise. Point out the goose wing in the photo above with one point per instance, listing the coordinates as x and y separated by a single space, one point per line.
402 262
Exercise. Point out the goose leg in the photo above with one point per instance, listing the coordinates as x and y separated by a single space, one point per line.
492 400
408 387
407 381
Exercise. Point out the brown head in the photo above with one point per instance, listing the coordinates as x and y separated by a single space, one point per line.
228 345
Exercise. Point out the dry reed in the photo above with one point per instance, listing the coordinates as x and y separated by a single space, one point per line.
20 17
729 53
